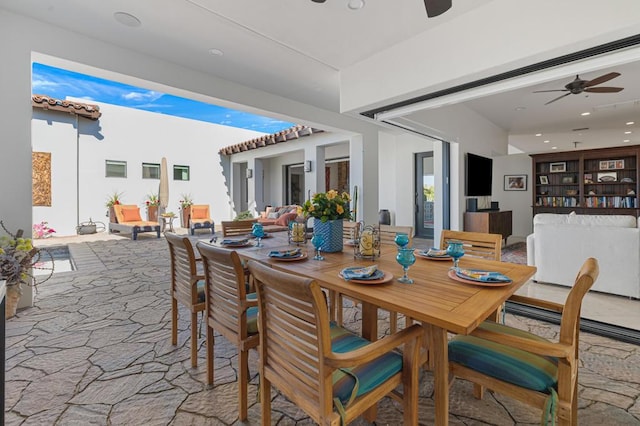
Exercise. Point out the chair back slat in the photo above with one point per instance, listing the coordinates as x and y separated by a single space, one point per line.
225 289
290 336
184 272
570 322
476 244
388 233
351 230
232 228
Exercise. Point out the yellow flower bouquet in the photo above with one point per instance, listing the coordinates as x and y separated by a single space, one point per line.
330 205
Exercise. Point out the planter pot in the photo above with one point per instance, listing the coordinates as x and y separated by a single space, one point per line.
185 213
331 230
12 299
112 215
152 213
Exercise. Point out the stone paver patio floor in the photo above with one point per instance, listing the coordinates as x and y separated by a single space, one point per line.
96 350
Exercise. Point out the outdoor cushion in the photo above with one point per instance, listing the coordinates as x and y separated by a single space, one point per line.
252 319
131 214
369 375
285 218
505 363
199 212
272 215
201 289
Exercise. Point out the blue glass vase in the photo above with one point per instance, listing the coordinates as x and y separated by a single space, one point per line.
331 231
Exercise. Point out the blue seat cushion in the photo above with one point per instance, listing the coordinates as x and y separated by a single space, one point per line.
505 363
201 286
369 375
252 320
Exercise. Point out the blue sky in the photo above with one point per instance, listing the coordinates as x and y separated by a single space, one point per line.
59 83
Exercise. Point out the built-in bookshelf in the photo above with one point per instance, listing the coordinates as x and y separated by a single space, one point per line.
598 181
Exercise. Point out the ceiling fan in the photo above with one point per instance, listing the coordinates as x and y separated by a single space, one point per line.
434 7
578 86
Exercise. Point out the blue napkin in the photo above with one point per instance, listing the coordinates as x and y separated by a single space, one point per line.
286 253
483 276
434 252
359 272
234 242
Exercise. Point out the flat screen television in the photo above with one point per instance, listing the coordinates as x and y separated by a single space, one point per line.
478 175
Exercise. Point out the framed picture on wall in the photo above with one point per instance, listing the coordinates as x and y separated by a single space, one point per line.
515 182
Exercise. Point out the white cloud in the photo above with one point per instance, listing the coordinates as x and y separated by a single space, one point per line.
149 96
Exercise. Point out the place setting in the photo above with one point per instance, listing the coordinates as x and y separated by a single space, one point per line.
434 254
234 243
288 255
365 275
455 250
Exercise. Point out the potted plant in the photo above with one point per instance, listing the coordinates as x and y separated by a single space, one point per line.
152 202
112 200
185 209
42 230
328 210
18 257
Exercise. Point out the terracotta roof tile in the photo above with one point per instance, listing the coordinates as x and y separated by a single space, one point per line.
286 135
84 110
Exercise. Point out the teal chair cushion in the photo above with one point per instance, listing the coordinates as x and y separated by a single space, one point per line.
367 376
252 319
505 363
201 286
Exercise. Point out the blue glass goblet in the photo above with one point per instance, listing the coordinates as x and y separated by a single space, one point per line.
402 239
317 240
257 232
405 258
456 251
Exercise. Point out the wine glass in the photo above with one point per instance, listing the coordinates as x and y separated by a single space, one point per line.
402 239
456 251
258 231
317 240
405 258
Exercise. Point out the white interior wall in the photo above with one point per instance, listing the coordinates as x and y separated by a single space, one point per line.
519 202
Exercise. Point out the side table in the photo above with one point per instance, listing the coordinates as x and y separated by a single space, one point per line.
167 221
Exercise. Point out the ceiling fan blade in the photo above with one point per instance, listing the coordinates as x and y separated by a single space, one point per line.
603 89
559 97
436 7
545 91
601 79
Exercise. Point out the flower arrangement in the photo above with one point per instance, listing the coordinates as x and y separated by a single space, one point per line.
152 200
327 206
113 199
42 230
17 257
185 201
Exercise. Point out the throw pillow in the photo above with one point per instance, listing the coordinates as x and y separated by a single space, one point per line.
131 214
272 215
285 218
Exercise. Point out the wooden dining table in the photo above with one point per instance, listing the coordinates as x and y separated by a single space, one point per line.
441 303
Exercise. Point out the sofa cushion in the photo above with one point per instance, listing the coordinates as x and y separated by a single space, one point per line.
131 214
284 219
617 221
199 212
550 218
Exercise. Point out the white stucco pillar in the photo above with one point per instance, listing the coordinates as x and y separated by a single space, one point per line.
314 180
363 151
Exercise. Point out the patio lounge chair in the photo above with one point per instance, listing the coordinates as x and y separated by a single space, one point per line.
200 218
128 220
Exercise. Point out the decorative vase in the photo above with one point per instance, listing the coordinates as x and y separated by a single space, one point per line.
13 297
331 231
152 213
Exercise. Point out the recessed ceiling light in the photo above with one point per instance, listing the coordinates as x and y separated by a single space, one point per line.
626 140
585 114
554 147
630 123
355 4
546 141
627 132
127 19
538 134
216 52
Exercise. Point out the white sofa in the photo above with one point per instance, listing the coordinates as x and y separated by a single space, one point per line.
560 243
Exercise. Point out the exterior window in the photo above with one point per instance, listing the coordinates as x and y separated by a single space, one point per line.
116 169
180 172
150 171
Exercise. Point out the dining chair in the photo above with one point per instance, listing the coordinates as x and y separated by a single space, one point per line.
525 366
476 244
187 288
388 233
330 373
231 228
230 311
351 230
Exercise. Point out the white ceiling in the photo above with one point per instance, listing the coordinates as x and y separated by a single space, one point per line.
296 49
